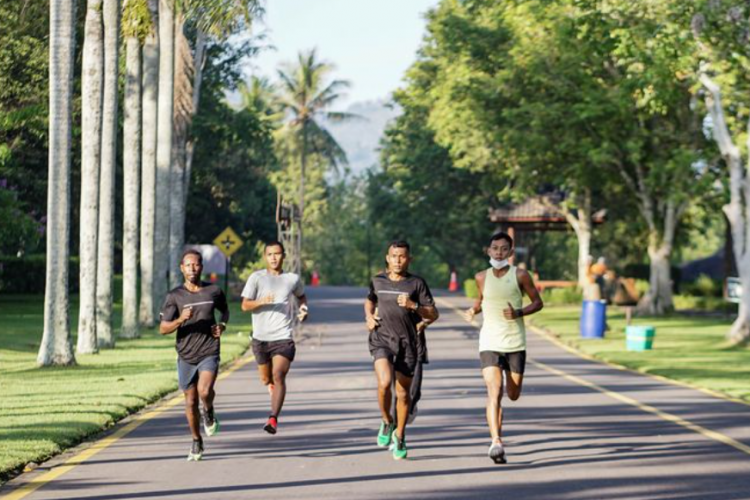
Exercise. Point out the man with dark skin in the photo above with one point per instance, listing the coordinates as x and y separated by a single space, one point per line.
189 309
402 301
268 295
502 339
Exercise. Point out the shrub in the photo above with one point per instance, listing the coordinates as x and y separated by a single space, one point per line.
704 304
470 288
562 296
27 274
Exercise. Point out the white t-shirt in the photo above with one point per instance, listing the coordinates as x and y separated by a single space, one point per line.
273 321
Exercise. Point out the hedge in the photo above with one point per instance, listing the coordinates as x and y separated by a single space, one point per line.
27 274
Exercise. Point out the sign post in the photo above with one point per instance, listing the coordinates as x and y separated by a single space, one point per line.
228 242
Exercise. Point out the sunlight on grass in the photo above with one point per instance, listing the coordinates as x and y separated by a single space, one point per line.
686 349
44 410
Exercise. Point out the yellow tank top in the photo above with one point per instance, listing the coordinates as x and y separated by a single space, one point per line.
497 333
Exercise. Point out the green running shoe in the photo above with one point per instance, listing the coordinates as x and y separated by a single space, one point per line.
196 451
210 423
399 448
384 434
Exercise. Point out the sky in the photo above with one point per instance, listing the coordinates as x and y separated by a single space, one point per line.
371 43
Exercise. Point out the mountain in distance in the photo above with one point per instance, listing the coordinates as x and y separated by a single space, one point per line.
360 138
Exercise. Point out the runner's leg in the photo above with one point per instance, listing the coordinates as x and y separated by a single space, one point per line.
403 385
384 374
279 368
191 411
206 381
493 379
514 383
264 371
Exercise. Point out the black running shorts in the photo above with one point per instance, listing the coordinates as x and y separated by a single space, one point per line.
265 351
507 361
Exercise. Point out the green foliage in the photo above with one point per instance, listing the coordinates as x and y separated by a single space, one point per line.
27 274
704 303
562 296
23 233
471 290
704 286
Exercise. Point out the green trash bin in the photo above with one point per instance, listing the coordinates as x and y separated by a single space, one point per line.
639 338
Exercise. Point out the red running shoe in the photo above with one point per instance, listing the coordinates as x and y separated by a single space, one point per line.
271 425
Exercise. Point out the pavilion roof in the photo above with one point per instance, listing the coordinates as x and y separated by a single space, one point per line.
538 209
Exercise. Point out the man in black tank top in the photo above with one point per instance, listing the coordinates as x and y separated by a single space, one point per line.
403 301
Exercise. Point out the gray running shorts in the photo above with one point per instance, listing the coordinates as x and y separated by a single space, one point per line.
187 373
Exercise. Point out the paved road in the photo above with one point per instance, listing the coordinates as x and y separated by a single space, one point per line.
569 437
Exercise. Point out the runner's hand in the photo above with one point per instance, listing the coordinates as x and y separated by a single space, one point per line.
403 301
302 315
268 299
421 326
509 312
373 322
469 315
186 314
217 330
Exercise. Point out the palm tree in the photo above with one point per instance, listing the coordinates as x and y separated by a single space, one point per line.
106 241
164 147
305 97
92 80
56 347
135 15
148 164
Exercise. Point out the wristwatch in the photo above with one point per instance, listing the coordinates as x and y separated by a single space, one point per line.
519 313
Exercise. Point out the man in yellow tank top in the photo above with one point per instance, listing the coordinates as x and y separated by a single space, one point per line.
502 339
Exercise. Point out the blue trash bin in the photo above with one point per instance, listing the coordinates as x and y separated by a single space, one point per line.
593 319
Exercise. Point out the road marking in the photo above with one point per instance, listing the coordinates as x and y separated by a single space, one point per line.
716 436
108 441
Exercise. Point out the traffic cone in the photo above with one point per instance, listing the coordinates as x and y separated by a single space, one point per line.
315 281
453 286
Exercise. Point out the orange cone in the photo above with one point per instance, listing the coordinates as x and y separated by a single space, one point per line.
453 286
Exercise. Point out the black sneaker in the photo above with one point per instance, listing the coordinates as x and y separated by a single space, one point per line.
196 451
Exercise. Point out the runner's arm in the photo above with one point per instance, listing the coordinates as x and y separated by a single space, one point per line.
251 305
527 286
370 318
167 327
477 307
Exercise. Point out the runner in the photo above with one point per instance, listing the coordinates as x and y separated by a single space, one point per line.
267 295
403 301
189 309
502 339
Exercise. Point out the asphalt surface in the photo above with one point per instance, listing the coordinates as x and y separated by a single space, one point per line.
564 439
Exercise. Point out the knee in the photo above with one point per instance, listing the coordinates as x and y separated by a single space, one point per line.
402 394
384 384
278 377
204 392
514 394
265 379
191 398
494 392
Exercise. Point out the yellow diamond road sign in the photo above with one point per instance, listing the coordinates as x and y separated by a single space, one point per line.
228 242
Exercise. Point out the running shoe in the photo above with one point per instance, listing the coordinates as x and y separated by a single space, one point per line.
384 434
399 448
210 423
497 453
196 451
272 425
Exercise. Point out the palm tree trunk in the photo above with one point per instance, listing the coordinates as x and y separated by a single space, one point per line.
183 113
92 81
164 148
106 242
56 347
131 179
148 164
199 61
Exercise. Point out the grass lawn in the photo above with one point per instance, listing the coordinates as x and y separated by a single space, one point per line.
44 410
687 349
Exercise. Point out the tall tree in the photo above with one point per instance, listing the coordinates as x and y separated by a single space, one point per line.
164 148
92 81
136 19
306 96
56 347
723 30
106 239
150 111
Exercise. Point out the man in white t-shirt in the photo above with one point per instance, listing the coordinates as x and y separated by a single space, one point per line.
268 295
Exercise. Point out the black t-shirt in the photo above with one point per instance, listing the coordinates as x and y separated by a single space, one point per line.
396 321
194 339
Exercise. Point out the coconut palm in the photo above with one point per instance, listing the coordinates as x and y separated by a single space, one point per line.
305 97
135 19
92 81
56 347
106 237
148 165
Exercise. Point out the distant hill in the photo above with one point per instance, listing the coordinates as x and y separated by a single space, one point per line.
361 138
